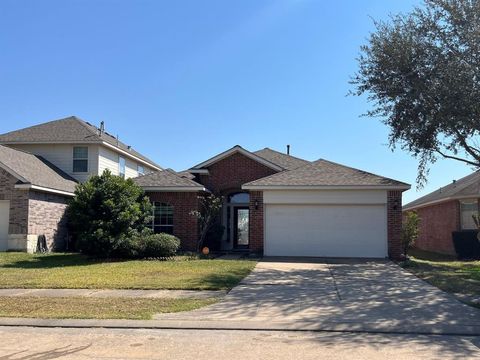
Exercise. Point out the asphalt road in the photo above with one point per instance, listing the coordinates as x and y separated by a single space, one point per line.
71 343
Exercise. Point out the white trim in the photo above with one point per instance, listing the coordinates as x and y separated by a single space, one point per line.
173 188
240 150
73 143
325 187
41 188
439 201
13 173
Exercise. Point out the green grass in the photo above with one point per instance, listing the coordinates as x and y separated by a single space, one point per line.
94 308
75 271
444 272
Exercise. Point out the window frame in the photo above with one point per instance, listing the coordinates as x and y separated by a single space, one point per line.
138 170
76 159
473 203
169 225
120 173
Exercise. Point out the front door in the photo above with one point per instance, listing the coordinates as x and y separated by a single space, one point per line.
240 227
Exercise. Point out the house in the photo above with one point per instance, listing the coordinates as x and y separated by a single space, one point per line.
444 211
80 149
39 168
280 205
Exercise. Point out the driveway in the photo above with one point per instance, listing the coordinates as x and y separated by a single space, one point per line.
343 295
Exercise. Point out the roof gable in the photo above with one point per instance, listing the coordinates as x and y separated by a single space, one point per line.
323 173
34 170
70 130
233 150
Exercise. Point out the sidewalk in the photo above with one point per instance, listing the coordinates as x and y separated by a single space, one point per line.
153 294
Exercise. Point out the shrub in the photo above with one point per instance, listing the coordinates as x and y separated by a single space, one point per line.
106 214
409 230
157 246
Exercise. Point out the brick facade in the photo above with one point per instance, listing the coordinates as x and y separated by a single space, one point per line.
436 225
46 216
256 223
18 222
229 174
394 224
185 225
31 214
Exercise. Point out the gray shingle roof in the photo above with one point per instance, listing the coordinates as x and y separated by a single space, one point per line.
287 162
67 130
464 187
165 179
325 173
35 170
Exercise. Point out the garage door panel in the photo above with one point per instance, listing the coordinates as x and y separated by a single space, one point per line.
326 230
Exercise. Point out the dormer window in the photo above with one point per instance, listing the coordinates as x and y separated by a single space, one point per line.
80 159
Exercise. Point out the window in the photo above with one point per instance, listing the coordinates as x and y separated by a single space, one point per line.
468 208
140 170
239 198
162 218
121 167
80 159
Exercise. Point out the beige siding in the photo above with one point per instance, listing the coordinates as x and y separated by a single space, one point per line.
108 159
61 155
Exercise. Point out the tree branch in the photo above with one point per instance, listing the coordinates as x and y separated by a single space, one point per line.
475 153
476 164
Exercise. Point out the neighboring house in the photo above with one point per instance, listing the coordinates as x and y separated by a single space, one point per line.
33 199
79 149
445 210
280 205
39 167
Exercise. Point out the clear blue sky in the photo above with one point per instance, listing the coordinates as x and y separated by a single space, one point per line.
184 80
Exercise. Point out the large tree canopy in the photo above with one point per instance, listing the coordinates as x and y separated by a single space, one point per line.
421 72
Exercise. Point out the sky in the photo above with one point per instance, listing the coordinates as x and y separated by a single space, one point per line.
182 81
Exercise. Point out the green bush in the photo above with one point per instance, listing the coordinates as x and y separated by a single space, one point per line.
157 246
106 214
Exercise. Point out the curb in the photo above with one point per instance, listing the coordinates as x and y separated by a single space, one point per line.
379 328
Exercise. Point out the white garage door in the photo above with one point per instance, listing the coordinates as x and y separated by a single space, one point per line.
4 216
326 230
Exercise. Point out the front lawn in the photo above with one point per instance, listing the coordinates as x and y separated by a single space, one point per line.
94 308
446 273
75 271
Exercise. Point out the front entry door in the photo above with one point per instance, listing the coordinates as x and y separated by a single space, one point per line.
240 227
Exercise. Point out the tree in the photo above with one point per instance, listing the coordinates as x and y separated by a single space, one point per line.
210 206
421 71
409 230
106 213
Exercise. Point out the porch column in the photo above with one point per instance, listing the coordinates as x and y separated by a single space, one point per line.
256 221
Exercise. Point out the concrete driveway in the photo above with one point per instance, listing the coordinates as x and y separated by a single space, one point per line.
338 295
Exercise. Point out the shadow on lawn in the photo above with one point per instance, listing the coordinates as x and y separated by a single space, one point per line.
54 260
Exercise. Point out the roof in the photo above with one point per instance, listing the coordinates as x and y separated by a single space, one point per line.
233 150
468 186
323 173
69 130
34 170
167 180
286 161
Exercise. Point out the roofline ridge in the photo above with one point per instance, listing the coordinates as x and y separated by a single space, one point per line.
281 153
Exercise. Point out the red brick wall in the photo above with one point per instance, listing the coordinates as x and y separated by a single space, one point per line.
229 174
436 225
256 222
46 216
185 225
18 223
394 224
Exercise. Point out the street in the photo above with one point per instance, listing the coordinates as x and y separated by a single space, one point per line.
72 343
